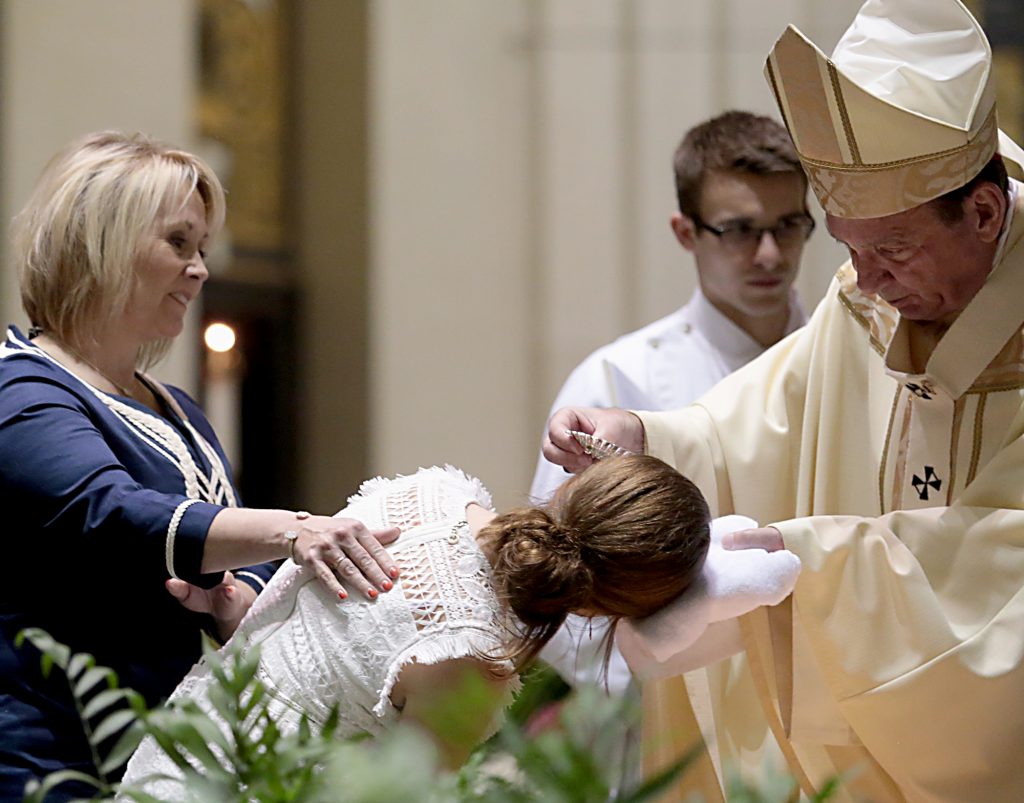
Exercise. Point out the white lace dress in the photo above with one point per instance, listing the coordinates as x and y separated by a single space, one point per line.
317 651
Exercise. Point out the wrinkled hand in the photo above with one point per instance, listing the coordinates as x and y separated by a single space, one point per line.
766 538
338 549
227 602
621 427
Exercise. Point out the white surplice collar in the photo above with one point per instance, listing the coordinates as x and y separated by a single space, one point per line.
726 336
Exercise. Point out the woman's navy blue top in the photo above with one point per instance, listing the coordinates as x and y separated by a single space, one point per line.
101 501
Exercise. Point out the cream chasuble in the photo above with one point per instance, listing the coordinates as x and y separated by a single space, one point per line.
891 457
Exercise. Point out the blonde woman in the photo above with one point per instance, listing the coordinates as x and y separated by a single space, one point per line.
113 484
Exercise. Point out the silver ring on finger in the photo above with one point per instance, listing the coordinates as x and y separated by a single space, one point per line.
336 563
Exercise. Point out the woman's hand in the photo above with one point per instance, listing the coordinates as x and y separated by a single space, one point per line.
227 602
333 548
338 549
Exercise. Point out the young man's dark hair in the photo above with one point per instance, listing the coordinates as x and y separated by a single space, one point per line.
734 140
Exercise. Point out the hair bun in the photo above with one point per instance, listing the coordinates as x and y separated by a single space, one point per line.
539 566
620 539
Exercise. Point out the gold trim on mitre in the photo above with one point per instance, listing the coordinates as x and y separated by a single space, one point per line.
867 157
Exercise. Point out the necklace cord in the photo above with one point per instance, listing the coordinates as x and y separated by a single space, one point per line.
124 391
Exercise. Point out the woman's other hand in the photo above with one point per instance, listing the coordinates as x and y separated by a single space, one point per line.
227 602
338 549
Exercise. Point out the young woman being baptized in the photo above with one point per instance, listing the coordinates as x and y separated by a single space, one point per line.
478 592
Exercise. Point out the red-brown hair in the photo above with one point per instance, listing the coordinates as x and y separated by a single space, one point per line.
622 538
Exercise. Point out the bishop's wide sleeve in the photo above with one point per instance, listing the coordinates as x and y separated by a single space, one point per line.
916 622
750 423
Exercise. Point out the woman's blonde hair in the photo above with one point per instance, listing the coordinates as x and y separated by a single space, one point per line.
622 538
78 238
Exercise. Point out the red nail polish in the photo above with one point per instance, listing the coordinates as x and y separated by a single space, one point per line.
372 593
342 595
393 572
387 585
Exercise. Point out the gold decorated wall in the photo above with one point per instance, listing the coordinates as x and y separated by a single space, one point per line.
243 81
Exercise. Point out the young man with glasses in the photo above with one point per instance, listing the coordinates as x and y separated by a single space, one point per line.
743 215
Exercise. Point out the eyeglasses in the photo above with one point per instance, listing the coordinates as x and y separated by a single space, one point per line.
788 231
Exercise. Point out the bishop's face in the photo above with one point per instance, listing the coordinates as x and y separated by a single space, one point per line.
926 267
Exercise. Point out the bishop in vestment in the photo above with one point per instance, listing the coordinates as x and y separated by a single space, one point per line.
883 443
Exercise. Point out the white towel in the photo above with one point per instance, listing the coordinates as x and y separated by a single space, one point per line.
700 627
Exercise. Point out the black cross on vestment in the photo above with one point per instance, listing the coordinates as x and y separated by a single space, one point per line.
922 391
930 480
